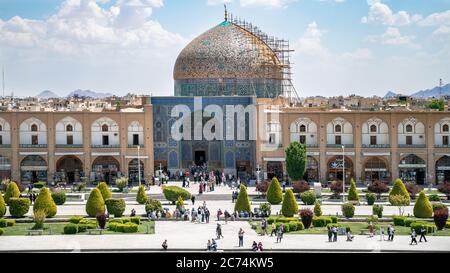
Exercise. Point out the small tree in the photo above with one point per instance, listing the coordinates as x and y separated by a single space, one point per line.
141 196
336 188
274 193
104 190
289 206
39 218
95 204
412 189
12 191
242 202
300 186
306 216
445 188
122 183
2 205
423 208
262 187
101 220
45 202
296 160
399 201
440 218
317 209
352 192
348 210
399 189
378 187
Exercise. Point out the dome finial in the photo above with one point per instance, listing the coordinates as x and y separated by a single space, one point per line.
226 13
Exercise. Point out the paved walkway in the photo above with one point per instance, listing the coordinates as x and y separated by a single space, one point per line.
187 236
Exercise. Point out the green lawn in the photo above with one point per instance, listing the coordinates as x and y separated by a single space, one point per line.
58 228
355 229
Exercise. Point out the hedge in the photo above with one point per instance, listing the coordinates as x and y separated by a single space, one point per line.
334 219
423 208
45 202
116 206
242 202
1 231
274 192
18 207
136 220
286 226
408 221
399 189
399 220
171 193
71 229
85 224
289 206
437 206
125 228
321 221
104 190
308 197
59 197
141 196
370 197
7 223
95 203
447 225
153 205
348 210
295 225
430 228
12 191
2 206
75 219
39 185
271 220
434 197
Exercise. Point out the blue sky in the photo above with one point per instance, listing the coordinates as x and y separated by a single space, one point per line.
118 46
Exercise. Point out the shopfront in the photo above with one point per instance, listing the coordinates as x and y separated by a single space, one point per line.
337 167
376 168
443 169
412 169
5 168
33 168
105 168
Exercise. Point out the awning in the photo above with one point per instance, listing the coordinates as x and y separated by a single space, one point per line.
412 166
375 170
276 159
33 168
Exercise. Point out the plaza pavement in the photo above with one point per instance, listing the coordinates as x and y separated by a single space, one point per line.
186 236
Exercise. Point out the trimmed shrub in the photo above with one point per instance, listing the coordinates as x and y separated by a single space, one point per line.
412 189
116 206
348 210
308 197
286 226
141 197
59 197
12 191
39 218
437 206
336 188
408 221
242 202
113 225
75 219
2 231
321 221
289 206
262 187
266 208
334 219
399 220
378 188
352 192
104 190
130 228
116 220
274 192
443 188
136 220
95 204
153 205
18 207
447 225
317 209
440 218
171 193
180 204
292 226
6 223
39 185
122 183
71 229
306 216
44 201
271 220
2 206
398 189
434 197
300 187
86 224
370 197
417 226
377 210
423 208
101 220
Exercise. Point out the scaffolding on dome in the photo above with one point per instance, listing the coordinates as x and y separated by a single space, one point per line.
281 48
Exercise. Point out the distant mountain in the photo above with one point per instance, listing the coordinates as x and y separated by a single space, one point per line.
47 94
436 92
88 93
390 94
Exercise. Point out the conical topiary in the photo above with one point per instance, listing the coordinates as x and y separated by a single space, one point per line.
399 189
423 207
352 192
141 197
317 209
104 190
274 192
2 205
242 202
289 206
95 203
12 191
45 202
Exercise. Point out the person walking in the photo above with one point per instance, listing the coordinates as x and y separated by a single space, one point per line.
274 229
227 215
413 237
334 230
390 231
330 234
207 214
208 245
264 227
423 231
164 245
219 213
241 237
279 234
381 233
219 231
193 199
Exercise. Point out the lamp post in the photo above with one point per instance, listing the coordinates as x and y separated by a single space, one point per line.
343 173
139 164
257 174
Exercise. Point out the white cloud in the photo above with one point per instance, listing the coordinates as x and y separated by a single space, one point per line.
392 36
218 2
380 13
436 19
266 3
311 41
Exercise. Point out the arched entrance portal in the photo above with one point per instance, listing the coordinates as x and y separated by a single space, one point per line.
375 168
443 169
274 168
105 168
5 168
69 169
337 167
33 168
134 167
412 169
312 170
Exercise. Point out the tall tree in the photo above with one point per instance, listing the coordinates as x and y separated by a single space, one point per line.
296 160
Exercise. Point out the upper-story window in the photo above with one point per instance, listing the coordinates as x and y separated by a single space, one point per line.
105 128
338 129
445 128
302 128
34 128
409 128
373 128
69 128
